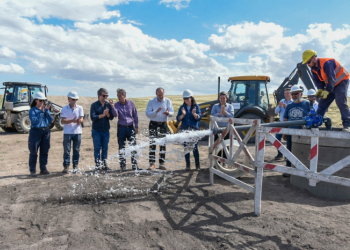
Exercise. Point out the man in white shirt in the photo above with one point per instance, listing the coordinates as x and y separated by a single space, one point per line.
158 110
72 119
311 95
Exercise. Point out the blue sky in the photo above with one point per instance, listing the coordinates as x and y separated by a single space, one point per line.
140 45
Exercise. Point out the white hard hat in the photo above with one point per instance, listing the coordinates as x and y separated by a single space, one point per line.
295 88
73 94
187 93
40 96
311 92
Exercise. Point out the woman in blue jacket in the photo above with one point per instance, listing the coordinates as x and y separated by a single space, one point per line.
189 115
39 134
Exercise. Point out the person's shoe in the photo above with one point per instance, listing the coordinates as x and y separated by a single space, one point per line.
198 166
135 167
65 170
75 168
346 129
152 167
286 175
33 174
188 166
44 172
122 167
161 167
279 157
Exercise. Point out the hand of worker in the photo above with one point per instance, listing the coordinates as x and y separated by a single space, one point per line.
159 109
280 104
183 111
284 105
136 130
74 120
284 137
319 92
194 111
111 102
166 112
78 121
48 106
222 108
324 94
105 112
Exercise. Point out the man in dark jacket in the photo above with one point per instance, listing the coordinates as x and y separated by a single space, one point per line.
101 114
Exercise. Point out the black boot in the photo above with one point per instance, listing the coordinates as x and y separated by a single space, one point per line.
75 167
65 169
105 166
188 166
198 167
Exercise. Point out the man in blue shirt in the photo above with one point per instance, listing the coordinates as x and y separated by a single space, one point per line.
101 114
297 110
9 96
281 107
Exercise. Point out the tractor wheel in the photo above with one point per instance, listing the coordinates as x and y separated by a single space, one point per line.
22 123
243 133
204 126
229 170
52 124
9 130
58 122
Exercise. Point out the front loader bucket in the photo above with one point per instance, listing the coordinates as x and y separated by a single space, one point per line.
86 122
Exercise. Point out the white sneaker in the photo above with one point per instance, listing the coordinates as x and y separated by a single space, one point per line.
346 129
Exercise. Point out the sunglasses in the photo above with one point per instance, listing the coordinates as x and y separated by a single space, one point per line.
295 93
104 96
40 100
310 60
186 98
74 99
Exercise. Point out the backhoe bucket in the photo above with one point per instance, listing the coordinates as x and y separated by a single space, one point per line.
86 122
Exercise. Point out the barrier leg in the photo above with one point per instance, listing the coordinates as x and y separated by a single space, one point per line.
259 157
211 174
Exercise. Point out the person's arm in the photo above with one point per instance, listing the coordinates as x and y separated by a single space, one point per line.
329 69
34 117
317 81
111 117
135 115
64 117
94 117
230 112
150 113
179 114
285 116
198 112
215 111
170 109
115 110
81 115
277 110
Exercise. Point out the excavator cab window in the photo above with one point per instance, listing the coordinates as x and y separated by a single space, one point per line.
238 91
33 91
263 100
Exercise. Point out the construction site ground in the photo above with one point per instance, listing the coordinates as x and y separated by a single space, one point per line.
172 209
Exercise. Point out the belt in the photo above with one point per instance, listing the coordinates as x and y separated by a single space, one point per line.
154 122
42 128
126 126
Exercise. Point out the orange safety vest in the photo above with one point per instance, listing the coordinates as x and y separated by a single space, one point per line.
340 72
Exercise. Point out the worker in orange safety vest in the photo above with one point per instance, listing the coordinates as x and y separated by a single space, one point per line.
332 82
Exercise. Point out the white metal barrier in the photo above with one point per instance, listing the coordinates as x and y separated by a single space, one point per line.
263 133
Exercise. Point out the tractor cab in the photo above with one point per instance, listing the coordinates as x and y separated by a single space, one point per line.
247 92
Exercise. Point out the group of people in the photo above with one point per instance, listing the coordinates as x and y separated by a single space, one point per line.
102 112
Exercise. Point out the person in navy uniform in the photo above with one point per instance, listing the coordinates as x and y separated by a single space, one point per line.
39 134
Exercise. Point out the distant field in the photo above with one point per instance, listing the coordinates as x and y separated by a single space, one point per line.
141 104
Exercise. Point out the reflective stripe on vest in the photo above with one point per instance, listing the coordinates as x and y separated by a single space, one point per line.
339 70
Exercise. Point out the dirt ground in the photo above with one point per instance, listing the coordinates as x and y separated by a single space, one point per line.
161 210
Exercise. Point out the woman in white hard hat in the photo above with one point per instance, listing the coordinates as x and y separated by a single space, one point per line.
39 134
189 115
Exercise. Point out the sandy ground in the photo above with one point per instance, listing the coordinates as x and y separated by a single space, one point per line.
163 210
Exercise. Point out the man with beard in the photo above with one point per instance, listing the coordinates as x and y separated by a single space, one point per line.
297 110
332 82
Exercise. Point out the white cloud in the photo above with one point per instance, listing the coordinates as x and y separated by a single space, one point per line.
7 53
11 69
177 4
271 52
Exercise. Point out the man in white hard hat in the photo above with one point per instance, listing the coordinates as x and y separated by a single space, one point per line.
158 110
311 95
297 110
72 119
281 107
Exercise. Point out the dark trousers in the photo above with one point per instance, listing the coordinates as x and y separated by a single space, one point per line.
38 138
126 133
223 154
339 94
157 130
100 140
289 147
279 137
67 145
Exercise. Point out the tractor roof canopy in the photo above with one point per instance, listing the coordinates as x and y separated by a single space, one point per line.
22 83
252 78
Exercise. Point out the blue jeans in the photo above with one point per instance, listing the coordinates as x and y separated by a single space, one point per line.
38 138
195 149
126 133
339 94
279 137
100 140
67 140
